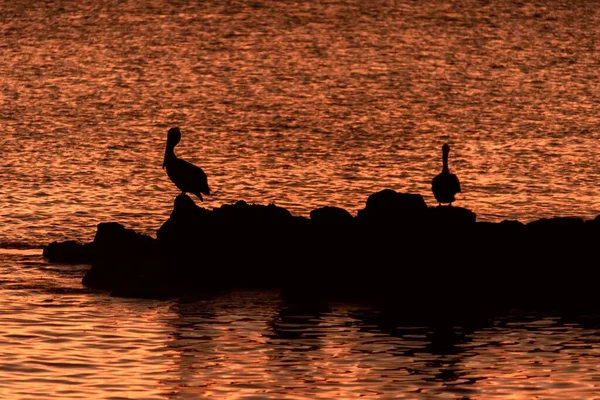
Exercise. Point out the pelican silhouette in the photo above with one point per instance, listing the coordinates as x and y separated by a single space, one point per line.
445 185
186 176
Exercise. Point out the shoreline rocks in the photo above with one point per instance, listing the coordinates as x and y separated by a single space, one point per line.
397 250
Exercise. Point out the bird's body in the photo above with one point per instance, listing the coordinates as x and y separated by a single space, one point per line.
445 185
188 177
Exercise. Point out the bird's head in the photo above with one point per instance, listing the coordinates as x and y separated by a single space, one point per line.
173 136
445 148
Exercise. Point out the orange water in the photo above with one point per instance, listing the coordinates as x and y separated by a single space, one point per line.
61 341
300 104
303 104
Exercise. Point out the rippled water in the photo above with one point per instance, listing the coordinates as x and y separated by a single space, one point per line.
300 104
303 104
59 340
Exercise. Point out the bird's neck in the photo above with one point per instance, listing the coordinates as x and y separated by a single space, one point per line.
170 150
169 154
445 162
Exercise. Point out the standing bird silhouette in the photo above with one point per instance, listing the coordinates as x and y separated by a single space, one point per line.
445 185
185 175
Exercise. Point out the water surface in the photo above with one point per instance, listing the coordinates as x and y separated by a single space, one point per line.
303 105
60 340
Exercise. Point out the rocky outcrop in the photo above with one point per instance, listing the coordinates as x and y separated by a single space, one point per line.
389 206
121 257
69 252
395 250
331 216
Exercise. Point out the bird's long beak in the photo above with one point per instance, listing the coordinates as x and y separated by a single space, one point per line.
165 159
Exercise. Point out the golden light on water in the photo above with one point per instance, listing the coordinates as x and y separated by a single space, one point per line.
301 105
61 341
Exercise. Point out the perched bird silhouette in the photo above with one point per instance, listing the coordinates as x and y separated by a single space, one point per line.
186 176
445 185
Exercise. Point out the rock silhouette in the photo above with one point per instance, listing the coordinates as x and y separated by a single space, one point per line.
396 251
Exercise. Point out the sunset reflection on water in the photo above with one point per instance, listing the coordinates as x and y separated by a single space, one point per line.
60 340
300 104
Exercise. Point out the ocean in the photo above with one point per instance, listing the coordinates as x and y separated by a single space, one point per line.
304 105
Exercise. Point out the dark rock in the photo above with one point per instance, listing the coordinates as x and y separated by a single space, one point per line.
513 223
451 216
330 215
389 206
189 221
244 213
186 223
556 222
120 257
495 233
148 287
236 244
396 251
69 252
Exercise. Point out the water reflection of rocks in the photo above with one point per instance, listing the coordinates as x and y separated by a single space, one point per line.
253 343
